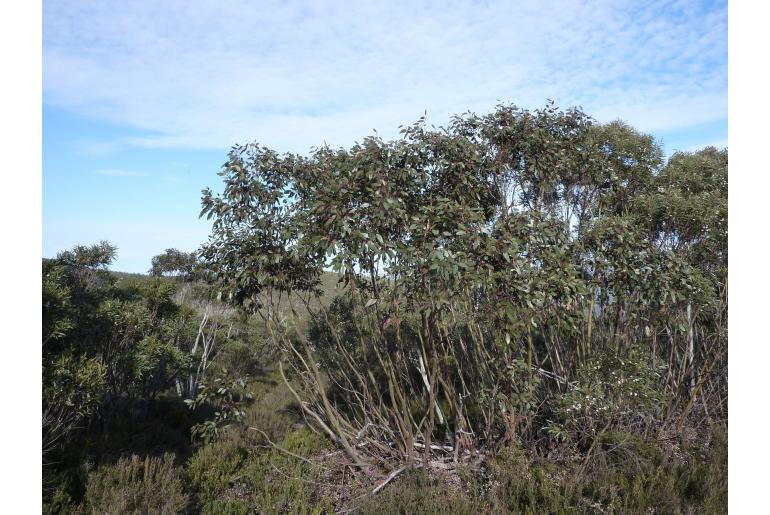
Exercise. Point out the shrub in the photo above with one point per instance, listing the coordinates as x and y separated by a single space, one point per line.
135 485
417 492
228 396
485 265
618 390
520 487
273 412
625 474
235 356
228 478
280 483
212 469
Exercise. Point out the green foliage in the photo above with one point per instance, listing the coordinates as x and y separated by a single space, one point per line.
687 208
611 390
88 258
212 469
416 492
242 473
175 263
155 362
227 395
141 343
57 308
539 295
273 412
130 332
522 487
75 382
238 357
631 475
626 475
281 483
135 485
487 267
60 501
109 350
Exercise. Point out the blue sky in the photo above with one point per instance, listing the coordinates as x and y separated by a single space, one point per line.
141 100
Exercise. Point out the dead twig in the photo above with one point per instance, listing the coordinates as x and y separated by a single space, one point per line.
279 448
393 475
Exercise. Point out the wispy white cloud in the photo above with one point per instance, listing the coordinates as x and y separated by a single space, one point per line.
115 172
94 148
210 73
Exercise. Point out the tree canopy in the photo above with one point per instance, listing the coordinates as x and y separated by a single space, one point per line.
174 263
537 237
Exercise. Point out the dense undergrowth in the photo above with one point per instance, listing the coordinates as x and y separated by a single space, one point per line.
528 314
143 460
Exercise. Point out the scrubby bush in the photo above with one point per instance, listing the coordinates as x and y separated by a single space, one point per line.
239 357
175 263
279 482
212 469
138 486
228 478
274 411
520 486
488 269
111 349
625 474
227 396
611 391
417 492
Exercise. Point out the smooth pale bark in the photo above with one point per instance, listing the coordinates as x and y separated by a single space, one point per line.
424 374
691 348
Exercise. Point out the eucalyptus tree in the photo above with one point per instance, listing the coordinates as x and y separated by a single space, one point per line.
487 265
174 263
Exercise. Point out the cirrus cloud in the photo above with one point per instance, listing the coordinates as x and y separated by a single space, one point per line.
291 75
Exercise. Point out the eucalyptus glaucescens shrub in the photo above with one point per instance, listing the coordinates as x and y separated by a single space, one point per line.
488 269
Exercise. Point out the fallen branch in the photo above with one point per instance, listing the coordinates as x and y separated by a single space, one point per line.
392 476
434 447
551 375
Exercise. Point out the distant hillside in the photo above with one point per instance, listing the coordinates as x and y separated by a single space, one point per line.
128 275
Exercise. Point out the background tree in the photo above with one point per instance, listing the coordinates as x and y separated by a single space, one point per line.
109 350
174 263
